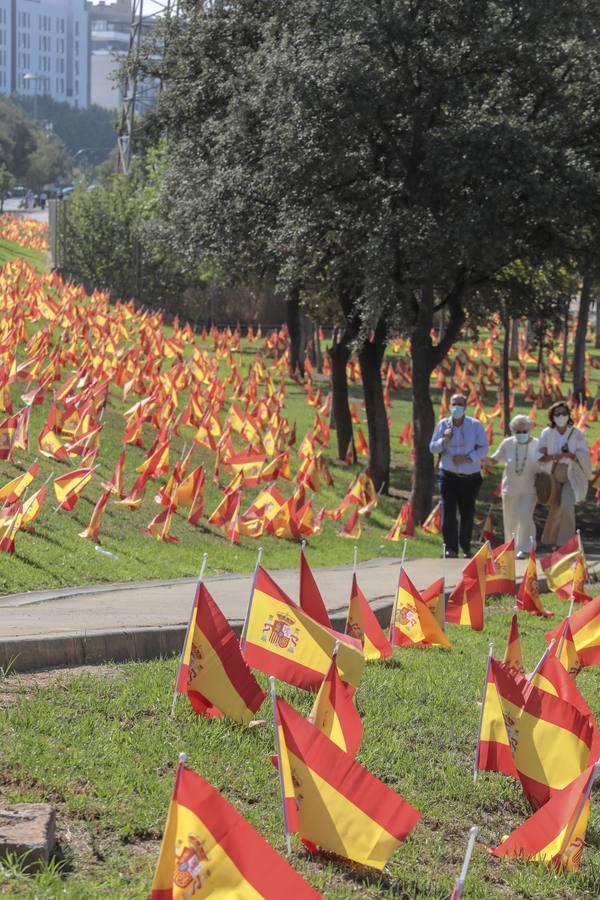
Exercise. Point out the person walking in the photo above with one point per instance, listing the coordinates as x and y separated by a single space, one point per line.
565 455
520 456
462 443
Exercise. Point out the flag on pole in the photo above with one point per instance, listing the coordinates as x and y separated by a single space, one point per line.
513 657
335 714
555 834
558 567
341 807
209 848
494 753
433 522
404 525
280 639
584 629
69 487
434 597
465 605
310 597
553 678
352 529
32 508
363 625
160 525
92 531
13 490
414 624
502 580
214 674
528 595
10 523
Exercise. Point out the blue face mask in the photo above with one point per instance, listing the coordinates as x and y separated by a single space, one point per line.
522 438
457 412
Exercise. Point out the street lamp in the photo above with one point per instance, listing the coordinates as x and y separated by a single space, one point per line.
30 76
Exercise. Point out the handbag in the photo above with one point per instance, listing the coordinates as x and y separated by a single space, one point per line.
543 488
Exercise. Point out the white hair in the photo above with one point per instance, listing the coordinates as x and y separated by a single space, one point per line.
520 422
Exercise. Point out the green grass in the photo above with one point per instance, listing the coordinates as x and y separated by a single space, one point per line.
10 250
102 748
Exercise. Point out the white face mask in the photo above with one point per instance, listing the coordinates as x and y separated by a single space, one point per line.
457 412
561 421
521 438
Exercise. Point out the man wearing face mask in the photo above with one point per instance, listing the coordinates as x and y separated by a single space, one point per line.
462 443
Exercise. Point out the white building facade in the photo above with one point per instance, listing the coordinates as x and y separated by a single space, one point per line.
44 49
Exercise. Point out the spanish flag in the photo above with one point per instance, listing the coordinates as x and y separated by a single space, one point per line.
414 624
362 624
10 523
115 485
494 752
513 657
341 807
465 604
12 490
280 639
558 567
335 714
554 678
32 508
214 674
404 526
68 487
433 522
502 581
226 509
528 596
551 740
555 834
249 465
584 628
352 528
160 525
7 434
208 848
92 532
311 600
434 597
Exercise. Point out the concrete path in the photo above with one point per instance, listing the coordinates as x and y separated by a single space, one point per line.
117 622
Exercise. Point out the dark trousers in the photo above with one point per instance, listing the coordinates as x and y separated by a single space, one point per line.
459 493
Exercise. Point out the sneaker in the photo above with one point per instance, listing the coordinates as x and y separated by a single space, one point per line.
451 554
522 555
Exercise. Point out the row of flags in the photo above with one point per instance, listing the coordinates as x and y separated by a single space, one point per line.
29 233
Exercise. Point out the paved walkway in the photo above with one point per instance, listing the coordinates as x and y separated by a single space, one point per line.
74 626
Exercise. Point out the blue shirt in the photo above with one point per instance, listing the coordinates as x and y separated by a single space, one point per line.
468 439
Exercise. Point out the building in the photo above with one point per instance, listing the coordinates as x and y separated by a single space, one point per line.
109 24
44 49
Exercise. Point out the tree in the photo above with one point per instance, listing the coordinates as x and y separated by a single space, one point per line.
398 152
7 181
17 138
89 132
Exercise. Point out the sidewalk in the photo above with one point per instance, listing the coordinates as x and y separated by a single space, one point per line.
118 622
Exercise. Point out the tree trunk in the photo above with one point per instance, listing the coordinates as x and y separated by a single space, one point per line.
514 339
579 393
423 425
565 346
318 350
339 355
505 374
370 359
294 325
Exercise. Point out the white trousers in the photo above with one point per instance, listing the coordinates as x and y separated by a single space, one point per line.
517 510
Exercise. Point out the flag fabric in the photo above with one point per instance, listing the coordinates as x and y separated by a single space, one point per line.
465 605
69 487
404 525
363 625
14 489
280 639
494 752
225 510
558 567
92 531
433 522
551 740
209 848
528 595
341 807
554 678
214 674
115 485
434 597
310 597
502 580
414 624
335 714
487 530
584 630
554 834
513 657
32 508
160 525
10 523
352 529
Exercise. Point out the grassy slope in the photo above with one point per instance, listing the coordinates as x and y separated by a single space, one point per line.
103 750
11 250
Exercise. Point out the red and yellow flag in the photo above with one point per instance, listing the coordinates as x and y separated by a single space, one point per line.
404 526
341 807
335 714
69 487
249 465
555 834
280 639
528 595
414 624
584 630
214 674
209 848
352 529
363 625
435 598
558 567
502 580
494 752
11 520
465 604
160 525
310 598
554 678
513 657
32 508
12 490
92 532
433 522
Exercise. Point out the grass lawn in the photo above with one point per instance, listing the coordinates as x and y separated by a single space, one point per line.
11 250
101 748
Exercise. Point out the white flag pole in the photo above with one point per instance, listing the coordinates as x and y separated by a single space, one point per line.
355 560
483 696
254 577
280 766
542 659
395 604
187 633
460 881
586 796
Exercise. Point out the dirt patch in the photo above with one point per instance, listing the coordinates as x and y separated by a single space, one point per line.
14 687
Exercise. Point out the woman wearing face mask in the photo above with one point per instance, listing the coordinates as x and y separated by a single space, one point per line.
520 456
566 456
